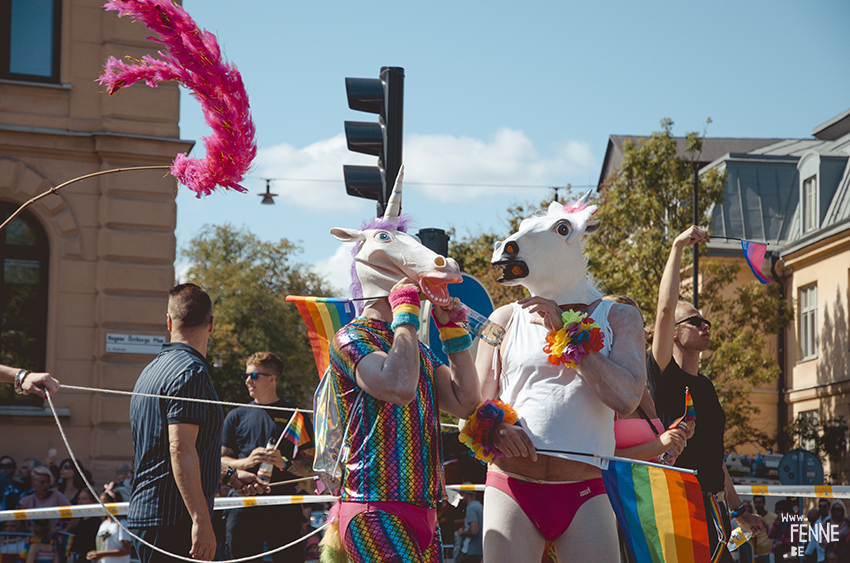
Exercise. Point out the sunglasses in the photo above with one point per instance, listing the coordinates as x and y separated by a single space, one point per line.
254 375
67 466
696 321
6 466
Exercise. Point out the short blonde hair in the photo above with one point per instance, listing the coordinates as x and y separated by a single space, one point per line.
43 471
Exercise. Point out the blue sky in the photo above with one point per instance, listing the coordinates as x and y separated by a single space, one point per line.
499 95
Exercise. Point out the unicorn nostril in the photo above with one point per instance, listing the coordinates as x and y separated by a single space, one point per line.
511 248
439 261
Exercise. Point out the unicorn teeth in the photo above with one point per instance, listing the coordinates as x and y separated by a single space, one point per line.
434 298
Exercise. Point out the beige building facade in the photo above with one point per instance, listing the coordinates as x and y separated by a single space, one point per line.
87 269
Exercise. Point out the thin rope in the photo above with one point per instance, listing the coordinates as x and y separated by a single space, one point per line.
192 399
134 536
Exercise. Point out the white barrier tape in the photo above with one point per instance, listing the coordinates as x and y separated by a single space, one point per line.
814 491
120 508
465 487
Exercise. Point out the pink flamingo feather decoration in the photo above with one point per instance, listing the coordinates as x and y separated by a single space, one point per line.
194 59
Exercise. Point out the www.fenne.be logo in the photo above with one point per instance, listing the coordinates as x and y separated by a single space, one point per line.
802 533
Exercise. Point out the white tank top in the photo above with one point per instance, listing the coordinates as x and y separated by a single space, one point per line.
557 408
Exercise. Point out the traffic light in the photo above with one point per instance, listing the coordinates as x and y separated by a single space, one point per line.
384 96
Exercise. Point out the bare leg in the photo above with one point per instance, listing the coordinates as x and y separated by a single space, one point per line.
509 536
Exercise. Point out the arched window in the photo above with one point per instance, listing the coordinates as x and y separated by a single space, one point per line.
24 256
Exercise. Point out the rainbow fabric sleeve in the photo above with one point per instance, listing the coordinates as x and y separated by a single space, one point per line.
660 512
754 255
323 316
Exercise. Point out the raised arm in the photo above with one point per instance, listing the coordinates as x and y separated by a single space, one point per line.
458 389
668 296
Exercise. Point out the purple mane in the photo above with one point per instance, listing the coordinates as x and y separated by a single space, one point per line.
404 222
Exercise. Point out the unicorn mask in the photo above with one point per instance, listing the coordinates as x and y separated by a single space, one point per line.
545 254
384 254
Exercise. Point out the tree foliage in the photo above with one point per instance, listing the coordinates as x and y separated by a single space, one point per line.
248 281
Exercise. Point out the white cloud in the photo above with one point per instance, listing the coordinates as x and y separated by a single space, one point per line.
337 269
435 164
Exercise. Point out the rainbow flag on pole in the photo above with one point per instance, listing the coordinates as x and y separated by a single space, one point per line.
296 433
660 511
754 255
690 413
324 316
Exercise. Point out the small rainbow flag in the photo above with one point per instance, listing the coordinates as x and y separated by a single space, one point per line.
324 316
689 416
660 511
754 255
296 432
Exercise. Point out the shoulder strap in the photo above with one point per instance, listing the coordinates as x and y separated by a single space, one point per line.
646 418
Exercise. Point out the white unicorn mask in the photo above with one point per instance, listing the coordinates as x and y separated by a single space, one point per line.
545 254
385 254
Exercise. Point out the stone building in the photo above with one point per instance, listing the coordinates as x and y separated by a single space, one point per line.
86 269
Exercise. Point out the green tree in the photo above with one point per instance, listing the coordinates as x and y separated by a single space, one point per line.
642 209
248 281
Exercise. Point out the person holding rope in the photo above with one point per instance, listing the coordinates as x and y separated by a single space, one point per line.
246 433
27 381
681 335
176 442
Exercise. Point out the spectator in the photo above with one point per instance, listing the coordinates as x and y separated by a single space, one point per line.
20 486
246 432
838 527
781 530
44 496
70 481
7 472
112 542
810 553
12 541
681 335
760 539
42 545
86 531
123 483
473 528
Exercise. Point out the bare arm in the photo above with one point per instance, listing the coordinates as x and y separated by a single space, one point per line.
187 474
669 440
393 376
752 522
35 382
668 296
488 377
229 458
458 390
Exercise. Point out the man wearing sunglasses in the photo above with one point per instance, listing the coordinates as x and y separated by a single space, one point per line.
681 335
246 432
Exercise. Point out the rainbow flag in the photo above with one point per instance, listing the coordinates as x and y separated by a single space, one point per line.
296 433
660 511
754 255
690 413
324 316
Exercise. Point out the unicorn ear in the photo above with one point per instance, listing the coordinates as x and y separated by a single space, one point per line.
591 227
347 235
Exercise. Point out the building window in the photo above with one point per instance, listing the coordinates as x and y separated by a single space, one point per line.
810 204
809 429
23 298
808 322
29 40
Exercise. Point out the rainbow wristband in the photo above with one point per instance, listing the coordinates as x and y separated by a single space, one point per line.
455 339
405 304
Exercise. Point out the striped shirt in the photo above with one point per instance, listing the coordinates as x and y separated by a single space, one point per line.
178 371
396 451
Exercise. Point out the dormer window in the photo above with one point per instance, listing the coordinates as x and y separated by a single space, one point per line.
810 204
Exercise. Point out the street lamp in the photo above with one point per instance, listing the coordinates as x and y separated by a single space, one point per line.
267 197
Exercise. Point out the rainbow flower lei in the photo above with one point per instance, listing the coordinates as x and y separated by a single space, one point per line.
580 336
476 432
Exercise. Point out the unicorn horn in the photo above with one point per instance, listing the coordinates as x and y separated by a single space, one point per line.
585 197
394 204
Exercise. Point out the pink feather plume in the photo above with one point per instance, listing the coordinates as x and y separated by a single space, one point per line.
194 59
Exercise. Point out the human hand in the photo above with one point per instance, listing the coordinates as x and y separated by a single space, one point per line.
92 555
36 383
203 541
513 441
405 282
675 440
445 315
246 484
545 312
692 427
274 457
257 456
692 235
752 522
